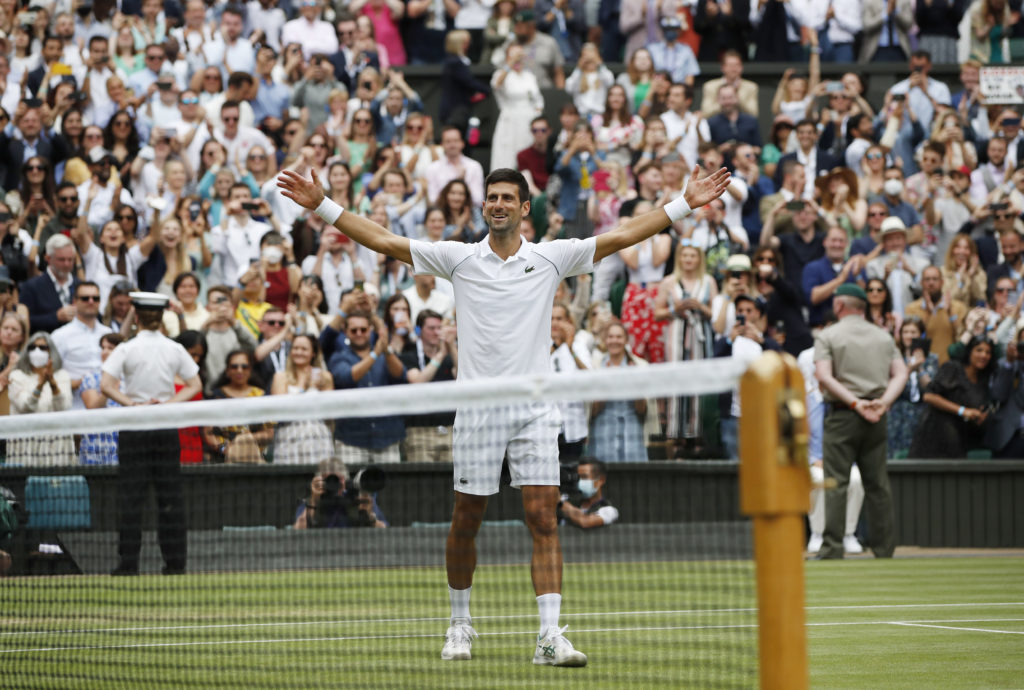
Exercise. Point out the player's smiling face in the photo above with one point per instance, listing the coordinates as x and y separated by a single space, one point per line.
502 208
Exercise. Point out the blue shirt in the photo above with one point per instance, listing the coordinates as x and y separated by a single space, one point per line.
816 273
365 432
271 100
677 59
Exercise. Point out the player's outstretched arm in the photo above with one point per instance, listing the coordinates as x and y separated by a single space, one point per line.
310 194
698 193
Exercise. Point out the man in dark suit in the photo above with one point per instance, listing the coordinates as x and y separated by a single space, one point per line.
53 51
730 124
816 161
349 62
1003 434
33 142
48 296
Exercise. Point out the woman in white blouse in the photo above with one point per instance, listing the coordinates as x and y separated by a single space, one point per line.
39 384
589 82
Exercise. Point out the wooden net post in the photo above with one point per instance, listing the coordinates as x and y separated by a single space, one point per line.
775 492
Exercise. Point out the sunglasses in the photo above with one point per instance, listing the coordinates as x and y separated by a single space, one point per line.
229 119
275 322
122 123
873 156
154 57
219 300
1002 216
875 289
126 216
211 77
43 348
291 132
189 101
1002 289
257 157
764 260
358 330
239 367
409 128
35 168
877 213
68 199
89 298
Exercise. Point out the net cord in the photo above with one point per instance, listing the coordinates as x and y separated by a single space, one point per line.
677 379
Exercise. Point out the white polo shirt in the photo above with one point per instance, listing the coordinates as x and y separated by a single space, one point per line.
146 366
504 307
79 348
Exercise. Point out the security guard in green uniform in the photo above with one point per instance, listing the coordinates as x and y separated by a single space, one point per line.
861 374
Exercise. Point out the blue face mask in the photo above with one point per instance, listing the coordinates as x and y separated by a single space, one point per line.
586 487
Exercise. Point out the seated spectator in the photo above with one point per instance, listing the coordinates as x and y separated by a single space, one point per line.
860 131
729 123
1003 432
568 356
922 365
99 448
26 133
645 267
464 221
48 296
594 509
963 278
365 363
637 79
435 357
957 408
330 505
900 269
872 173
948 140
992 174
428 292
166 257
236 443
39 384
617 426
566 22
519 101
732 75
184 312
944 318
1004 307
309 440
576 167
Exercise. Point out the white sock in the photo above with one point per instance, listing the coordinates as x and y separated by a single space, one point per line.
549 606
459 599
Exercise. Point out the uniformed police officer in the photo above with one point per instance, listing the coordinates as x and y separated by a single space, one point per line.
147 365
861 374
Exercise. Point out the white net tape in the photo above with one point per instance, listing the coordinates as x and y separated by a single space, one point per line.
660 380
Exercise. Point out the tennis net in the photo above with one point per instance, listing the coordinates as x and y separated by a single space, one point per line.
302 554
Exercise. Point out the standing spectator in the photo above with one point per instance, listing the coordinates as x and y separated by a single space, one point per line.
923 96
957 405
943 317
617 132
617 426
822 277
1002 434
576 168
879 310
815 160
229 49
519 101
25 138
463 219
497 31
99 448
861 374
732 75
991 22
639 21
963 278
589 82
836 24
722 26
638 80
312 33
645 264
426 294
236 240
185 312
340 264
101 194
361 365
672 57
48 296
459 88
146 367
306 441
471 16
922 365
543 57
532 161
223 333
887 25
896 266
566 22
392 108
385 16
684 299
78 342
800 247
937 22
40 384
840 200
428 437
729 123
688 128
276 329
455 165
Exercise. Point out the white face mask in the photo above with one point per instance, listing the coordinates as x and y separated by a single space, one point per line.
893 187
586 487
38 358
273 254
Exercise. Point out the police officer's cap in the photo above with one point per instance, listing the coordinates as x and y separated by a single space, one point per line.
148 300
851 290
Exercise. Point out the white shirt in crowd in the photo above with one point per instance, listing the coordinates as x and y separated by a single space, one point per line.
79 348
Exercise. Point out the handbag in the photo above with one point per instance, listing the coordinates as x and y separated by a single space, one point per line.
244 449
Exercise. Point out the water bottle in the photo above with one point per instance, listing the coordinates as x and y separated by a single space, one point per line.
473 136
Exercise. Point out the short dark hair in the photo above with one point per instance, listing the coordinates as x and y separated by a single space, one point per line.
805 122
84 283
234 9
52 37
600 469
240 185
425 314
922 53
229 104
758 303
236 79
508 175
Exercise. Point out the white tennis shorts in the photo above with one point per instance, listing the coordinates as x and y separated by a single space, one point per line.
527 433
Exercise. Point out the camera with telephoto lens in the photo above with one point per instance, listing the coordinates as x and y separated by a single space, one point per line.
568 478
333 500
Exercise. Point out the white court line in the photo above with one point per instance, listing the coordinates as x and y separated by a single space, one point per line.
410 636
589 614
950 627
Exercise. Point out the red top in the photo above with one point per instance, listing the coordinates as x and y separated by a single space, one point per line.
278 289
189 438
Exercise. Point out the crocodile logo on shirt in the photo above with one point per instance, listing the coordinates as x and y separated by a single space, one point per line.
528 269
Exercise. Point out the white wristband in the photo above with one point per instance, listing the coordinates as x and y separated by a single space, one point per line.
677 209
329 210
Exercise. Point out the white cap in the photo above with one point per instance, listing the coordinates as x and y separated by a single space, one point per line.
148 300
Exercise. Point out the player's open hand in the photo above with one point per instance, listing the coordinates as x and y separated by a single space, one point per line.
306 193
703 191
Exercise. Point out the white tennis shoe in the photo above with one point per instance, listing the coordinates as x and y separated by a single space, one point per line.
554 650
458 641
852 545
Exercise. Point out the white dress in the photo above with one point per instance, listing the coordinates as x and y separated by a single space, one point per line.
519 101
306 442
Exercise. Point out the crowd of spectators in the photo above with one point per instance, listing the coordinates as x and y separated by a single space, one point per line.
141 141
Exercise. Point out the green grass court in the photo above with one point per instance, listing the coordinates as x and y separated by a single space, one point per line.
904 623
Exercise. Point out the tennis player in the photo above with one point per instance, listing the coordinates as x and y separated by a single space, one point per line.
504 289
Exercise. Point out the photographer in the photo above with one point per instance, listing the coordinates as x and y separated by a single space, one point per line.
332 504
594 509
